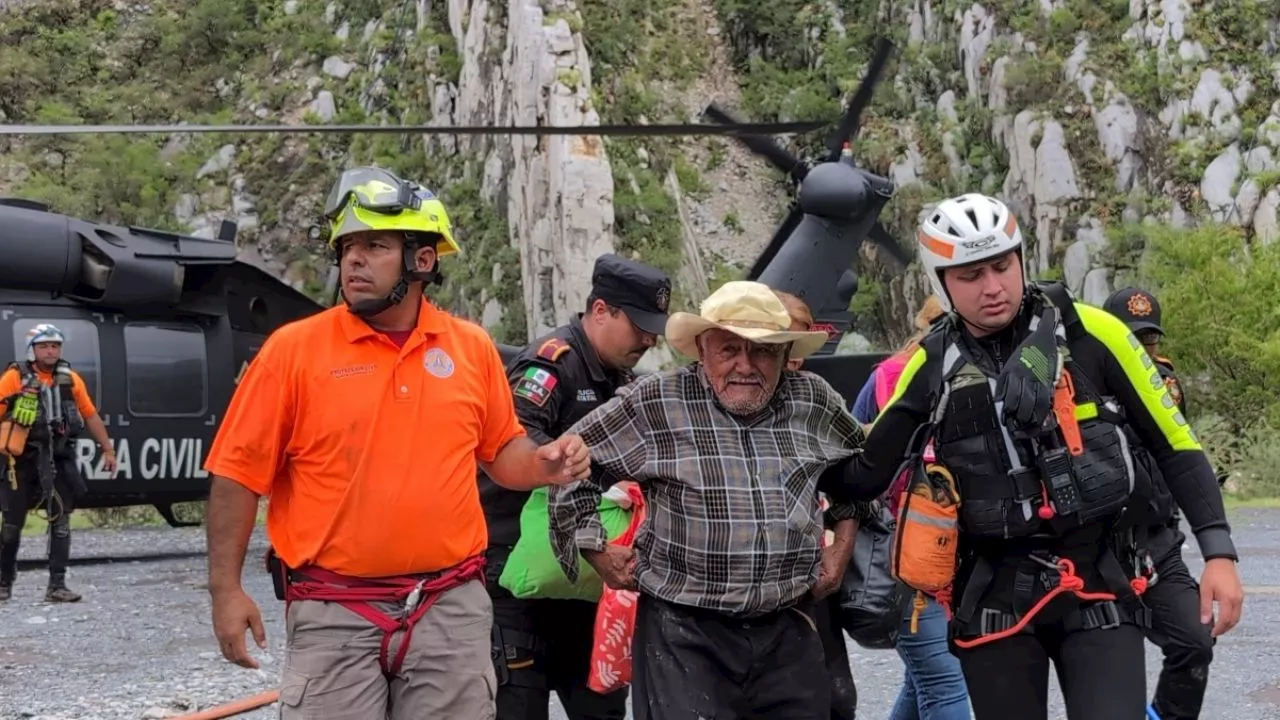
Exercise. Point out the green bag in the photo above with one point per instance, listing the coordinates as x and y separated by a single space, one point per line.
532 570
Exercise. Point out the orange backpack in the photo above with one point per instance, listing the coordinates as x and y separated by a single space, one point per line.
927 535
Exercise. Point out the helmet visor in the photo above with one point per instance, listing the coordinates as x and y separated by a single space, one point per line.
373 189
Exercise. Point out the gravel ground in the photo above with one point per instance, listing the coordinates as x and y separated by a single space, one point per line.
139 645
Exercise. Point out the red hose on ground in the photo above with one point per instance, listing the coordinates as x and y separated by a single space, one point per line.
235 707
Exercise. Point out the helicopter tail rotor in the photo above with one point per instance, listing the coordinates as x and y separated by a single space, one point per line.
798 170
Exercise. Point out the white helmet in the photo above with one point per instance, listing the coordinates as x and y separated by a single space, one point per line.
42 333
963 230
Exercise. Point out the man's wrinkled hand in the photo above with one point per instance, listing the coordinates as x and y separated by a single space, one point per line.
835 559
564 460
615 565
1220 583
233 613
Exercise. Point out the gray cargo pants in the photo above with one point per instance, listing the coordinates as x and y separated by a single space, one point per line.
332 669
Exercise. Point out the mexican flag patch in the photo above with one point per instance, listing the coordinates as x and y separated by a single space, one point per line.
535 386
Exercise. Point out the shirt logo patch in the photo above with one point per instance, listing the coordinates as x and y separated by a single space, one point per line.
587 395
438 363
535 386
353 370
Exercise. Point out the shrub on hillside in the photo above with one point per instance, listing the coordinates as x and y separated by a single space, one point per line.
1219 292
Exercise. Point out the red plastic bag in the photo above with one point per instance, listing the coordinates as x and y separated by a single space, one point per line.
616 619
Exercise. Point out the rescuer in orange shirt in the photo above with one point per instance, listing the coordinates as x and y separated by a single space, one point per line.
363 425
44 407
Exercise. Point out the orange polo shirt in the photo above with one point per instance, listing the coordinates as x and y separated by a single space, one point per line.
368 451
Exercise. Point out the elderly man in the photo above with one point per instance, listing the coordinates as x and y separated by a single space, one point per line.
729 451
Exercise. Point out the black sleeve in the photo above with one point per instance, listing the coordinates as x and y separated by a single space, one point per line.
868 474
538 391
1134 380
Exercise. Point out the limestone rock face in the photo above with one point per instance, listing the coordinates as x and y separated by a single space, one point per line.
556 190
1081 116
1082 122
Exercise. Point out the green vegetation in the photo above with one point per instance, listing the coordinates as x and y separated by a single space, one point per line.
643 53
1223 333
219 61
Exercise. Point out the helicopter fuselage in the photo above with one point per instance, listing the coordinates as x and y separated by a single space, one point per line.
160 377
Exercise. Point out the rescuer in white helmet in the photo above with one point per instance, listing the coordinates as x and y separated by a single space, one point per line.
44 407
1034 402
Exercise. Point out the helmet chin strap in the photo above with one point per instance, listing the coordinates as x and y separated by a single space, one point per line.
408 273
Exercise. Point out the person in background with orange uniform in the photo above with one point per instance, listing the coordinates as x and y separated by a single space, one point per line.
364 425
47 399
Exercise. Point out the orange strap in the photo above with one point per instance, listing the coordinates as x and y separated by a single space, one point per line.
1068 581
1064 407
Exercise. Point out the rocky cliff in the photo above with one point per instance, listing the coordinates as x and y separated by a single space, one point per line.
1084 115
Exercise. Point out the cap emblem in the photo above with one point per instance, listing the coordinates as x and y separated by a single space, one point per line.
662 298
1139 305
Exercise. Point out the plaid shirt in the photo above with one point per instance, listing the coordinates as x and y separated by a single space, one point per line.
733 521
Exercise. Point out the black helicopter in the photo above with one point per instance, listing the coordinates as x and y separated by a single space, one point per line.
161 325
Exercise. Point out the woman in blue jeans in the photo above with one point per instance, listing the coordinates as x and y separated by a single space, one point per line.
933 688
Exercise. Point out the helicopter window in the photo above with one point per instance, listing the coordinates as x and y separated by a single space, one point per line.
167 369
81 348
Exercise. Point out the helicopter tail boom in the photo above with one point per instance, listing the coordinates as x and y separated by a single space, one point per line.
97 263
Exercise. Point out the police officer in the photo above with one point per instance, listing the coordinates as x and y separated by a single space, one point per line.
1174 597
47 400
543 645
1029 398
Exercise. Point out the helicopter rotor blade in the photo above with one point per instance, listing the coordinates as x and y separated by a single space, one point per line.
785 228
763 146
881 238
847 130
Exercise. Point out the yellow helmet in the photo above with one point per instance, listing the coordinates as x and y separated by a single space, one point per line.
370 198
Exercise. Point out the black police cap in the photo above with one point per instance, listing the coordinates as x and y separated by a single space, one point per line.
642 291
1138 309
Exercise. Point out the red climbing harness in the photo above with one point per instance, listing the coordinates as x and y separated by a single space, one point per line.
1068 581
418 593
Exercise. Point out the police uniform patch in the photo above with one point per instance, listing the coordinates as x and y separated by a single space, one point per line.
1175 391
552 349
535 386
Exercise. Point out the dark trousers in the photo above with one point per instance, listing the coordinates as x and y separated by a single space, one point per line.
1101 673
1175 626
542 646
692 664
1096 648
844 693
16 503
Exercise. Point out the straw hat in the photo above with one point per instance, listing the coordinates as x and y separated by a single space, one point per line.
747 309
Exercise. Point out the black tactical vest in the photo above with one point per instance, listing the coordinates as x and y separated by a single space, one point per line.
1005 481
58 419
